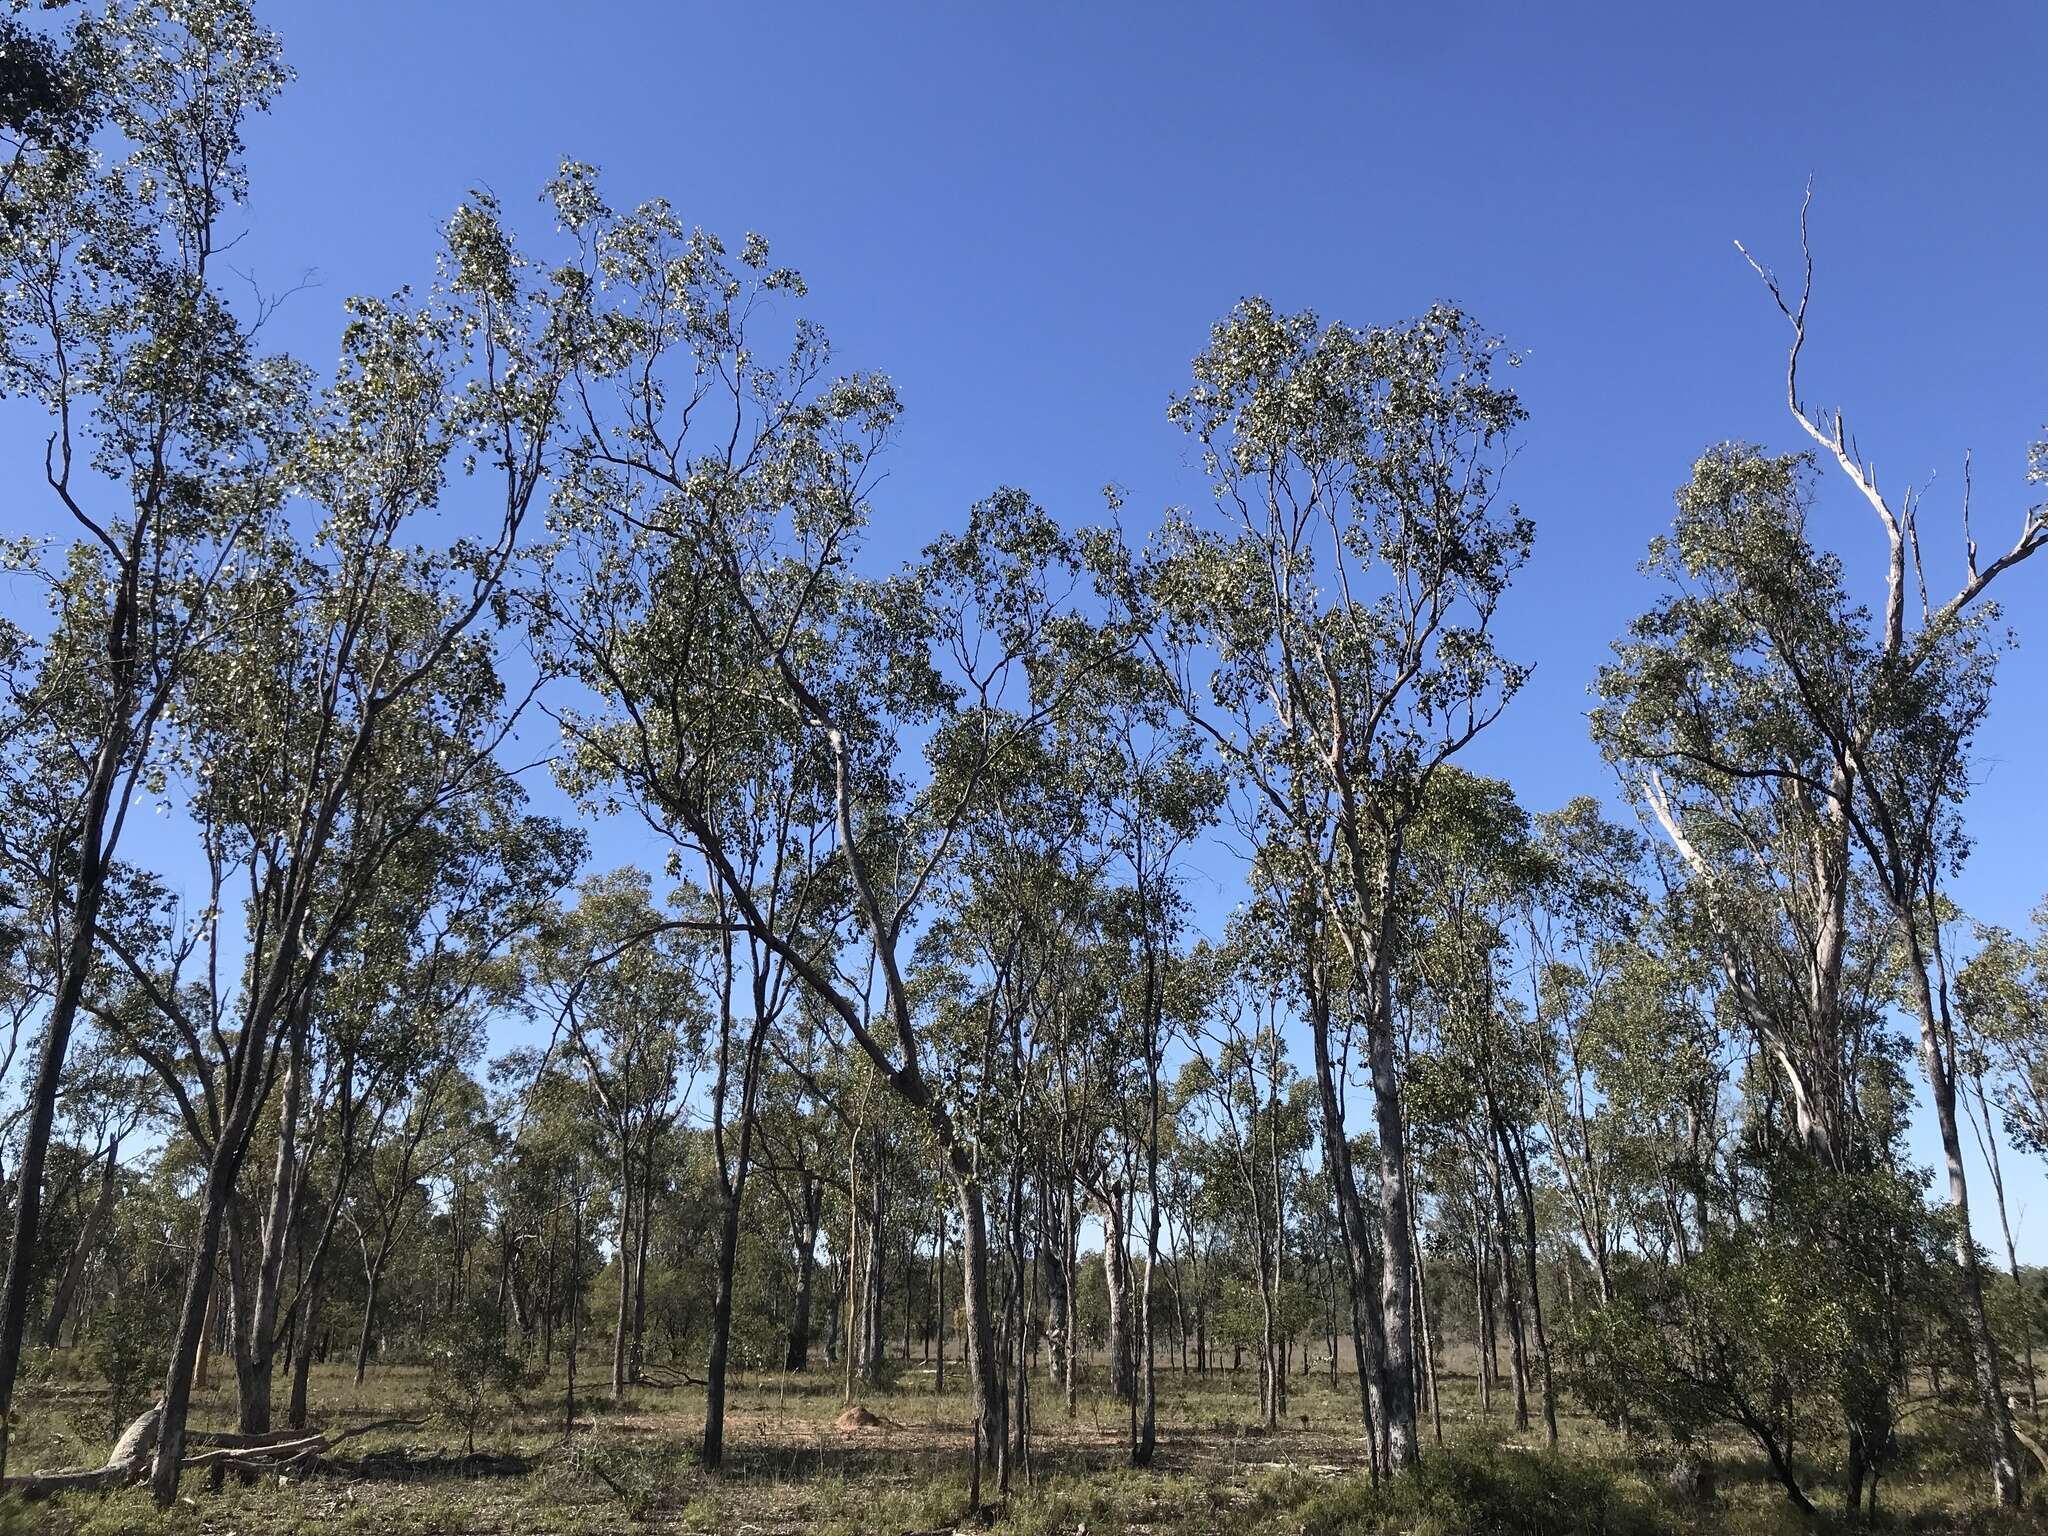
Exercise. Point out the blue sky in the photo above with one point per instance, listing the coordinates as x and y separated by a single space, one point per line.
1029 216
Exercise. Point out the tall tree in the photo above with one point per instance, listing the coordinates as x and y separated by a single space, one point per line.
165 432
1334 637
705 597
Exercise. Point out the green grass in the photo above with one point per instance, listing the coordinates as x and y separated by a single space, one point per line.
631 1466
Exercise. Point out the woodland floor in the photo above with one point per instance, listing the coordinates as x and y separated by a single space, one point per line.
631 1466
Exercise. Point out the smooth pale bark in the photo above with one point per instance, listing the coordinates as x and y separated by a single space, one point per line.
983 1370
1116 1277
622 1325
1397 1255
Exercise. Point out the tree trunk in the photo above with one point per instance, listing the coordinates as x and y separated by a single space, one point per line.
1525 1197
257 1348
2005 1465
88 1239
79 950
733 1191
797 1356
1367 1339
1148 1415
642 1234
1117 1278
984 1371
303 1345
2012 1258
721 1333
375 1282
1397 1259
1070 1257
192 1321
622 1325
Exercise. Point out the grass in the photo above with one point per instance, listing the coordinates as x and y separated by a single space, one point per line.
631 1466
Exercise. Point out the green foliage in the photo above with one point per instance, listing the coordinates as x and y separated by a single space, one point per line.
128 1347
476 1372
1481 1488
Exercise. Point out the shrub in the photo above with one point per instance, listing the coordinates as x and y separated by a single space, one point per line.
1480 1489
474 1372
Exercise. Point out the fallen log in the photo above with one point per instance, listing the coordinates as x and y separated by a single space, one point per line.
130 1459
127 1463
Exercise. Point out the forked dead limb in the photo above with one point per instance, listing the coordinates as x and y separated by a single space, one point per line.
130 1459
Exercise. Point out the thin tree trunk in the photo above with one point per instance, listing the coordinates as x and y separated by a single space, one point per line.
374 1285
1988 1138
1518 1167
192 1320
259 1341
94 851
623 1323
1148 1418
88 1240
303 1344
2005 1466
797 1356
983 1368
1367 1337
1117 1278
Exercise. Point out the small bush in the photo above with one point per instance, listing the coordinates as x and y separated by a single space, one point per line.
474 1372
1481 1489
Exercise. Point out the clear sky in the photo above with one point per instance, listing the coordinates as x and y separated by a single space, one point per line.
1029 215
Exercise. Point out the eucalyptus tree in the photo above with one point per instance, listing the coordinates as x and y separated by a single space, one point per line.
1585 921
1153 792
429 954
792 1122
1020 916
441 1116
1792 744
632 1017
1250 1112
350 697
1767 684
1085 1085
1332 632
1471 865
2001 996
704 595
2003 993
166 426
